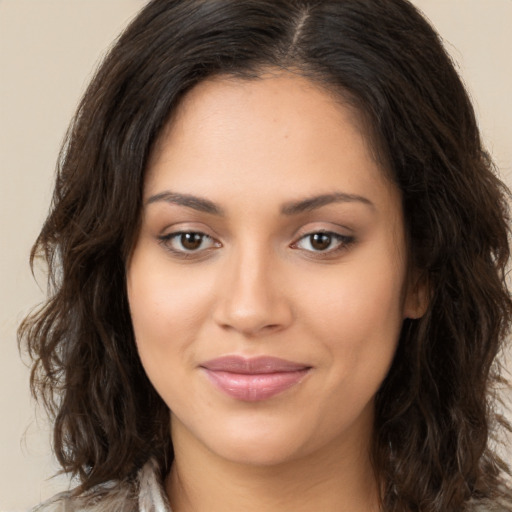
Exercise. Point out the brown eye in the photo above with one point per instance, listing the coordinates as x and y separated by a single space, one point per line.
320 241
323 242
191 241
188 242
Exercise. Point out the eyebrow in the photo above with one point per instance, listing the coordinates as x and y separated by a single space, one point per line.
196 203
314 202
289 208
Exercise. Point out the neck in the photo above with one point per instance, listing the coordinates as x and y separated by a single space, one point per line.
336 478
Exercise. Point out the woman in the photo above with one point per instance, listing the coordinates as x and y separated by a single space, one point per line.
276 252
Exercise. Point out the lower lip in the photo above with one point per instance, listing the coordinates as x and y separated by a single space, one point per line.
255 387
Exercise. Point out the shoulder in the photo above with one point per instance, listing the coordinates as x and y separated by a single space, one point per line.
501 504
497 506
144 494
120 498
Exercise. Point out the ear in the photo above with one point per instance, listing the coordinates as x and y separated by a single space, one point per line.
417 296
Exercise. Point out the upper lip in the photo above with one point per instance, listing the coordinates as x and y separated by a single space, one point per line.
253 365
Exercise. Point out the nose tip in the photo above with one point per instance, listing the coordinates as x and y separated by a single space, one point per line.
248 321
252 302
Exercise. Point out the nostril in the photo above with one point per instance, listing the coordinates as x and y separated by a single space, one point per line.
249 300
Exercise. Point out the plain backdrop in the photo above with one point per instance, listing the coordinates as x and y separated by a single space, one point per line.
48 51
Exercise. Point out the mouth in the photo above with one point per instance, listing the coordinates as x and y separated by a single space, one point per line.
254 379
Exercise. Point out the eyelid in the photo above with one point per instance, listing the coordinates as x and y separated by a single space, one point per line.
166 240
343 243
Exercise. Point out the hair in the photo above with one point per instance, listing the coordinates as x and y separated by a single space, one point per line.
436 411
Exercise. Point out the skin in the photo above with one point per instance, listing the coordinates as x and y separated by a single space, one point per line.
257 285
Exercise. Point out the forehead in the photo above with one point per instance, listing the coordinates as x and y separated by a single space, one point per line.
279 128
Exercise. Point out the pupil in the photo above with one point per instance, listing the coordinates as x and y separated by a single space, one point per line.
320 241
191 241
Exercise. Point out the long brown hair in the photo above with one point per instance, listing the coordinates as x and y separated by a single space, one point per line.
435 411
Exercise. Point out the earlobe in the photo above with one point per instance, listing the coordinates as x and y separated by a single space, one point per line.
418 296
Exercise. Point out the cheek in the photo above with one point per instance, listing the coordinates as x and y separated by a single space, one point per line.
354 299
357 316
160 292
166 310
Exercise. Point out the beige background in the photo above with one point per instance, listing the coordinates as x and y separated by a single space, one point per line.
48 49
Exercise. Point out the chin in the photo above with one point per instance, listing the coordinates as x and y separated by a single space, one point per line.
259 451
255 441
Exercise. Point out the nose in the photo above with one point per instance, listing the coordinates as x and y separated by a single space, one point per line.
253 298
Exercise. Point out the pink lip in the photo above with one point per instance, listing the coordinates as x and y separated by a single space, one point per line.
254 379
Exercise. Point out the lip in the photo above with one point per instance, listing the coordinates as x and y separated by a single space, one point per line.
254 379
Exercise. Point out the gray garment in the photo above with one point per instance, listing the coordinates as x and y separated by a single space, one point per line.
145 494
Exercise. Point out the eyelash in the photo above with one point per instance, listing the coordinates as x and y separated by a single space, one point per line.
343 243
167 240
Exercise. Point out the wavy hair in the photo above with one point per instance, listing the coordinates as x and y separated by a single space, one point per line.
436 410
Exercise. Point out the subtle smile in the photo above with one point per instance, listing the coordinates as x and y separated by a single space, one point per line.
254 379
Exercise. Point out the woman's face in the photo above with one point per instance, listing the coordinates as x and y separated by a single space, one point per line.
268 284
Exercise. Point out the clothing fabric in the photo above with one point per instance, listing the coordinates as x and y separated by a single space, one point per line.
145 494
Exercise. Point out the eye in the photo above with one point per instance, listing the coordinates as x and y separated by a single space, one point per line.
187 242
323 242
